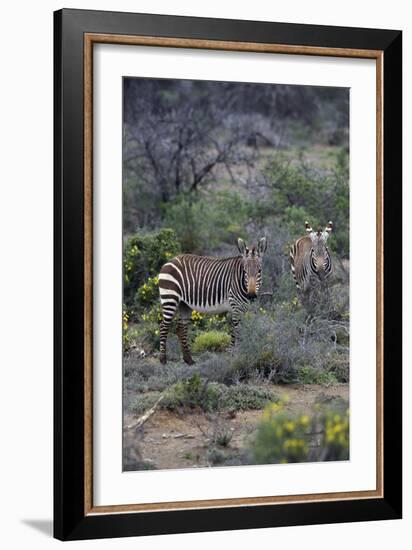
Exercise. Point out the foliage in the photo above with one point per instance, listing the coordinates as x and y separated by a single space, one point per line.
216 367
197 393
222 436
125 329
215 456
335 440
148 292
144 375
212 340
280 437
210 396
205 221
244 397
207 322
256 350
190 393
288 344
143 256
284 438
310 375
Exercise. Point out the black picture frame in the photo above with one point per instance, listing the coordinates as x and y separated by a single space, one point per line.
70 520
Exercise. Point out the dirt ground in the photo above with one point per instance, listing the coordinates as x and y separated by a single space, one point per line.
173 440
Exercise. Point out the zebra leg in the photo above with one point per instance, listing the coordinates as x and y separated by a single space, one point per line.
234 330
168 312
185 314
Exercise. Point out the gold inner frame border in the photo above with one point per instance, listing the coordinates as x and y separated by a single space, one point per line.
89 40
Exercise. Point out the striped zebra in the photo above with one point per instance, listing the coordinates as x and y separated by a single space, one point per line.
310 258
208 285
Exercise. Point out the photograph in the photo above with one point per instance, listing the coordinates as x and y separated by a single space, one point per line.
236 274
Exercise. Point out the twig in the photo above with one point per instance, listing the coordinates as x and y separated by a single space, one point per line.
145 417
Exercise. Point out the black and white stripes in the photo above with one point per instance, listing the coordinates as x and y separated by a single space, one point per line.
208 285
310 257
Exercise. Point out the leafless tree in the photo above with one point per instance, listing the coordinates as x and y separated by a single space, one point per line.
177 145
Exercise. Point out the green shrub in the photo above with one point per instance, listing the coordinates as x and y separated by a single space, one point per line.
282 437
256 352
142 375
188 455
219 322
145 335
223 436
244 397
192 393
197 393
189 393
216 367
204 221
202 322
286 344
339 366
215 456
125 330
143 256
212 340
310 375
148 292
335 440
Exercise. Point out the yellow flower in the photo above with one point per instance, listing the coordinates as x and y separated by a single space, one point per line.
290 426
196 316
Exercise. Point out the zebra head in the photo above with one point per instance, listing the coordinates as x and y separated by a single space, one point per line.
252 265
320 258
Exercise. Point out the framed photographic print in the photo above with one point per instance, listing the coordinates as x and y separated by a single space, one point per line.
227 291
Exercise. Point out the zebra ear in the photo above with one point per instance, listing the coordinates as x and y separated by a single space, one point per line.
308 227
241 246
329 227
263 243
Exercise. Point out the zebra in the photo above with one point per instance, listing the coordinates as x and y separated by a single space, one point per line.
310 259
208 285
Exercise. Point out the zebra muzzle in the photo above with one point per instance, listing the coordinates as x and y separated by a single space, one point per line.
251 291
